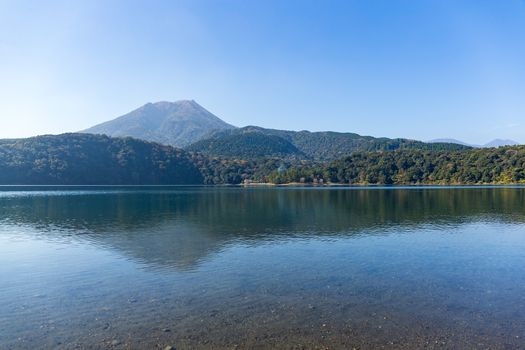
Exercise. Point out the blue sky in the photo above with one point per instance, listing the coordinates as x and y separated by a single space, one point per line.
398 68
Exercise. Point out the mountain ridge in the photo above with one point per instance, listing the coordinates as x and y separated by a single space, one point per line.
317 145
186 124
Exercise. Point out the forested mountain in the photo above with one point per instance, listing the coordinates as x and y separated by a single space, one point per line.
176 124
250 141
247 145
84 159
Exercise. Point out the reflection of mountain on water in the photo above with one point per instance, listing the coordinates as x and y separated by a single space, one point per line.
172 243
180 227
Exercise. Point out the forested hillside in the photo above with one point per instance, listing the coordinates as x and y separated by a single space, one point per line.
83 159
247 146
250 141
71 159
476 166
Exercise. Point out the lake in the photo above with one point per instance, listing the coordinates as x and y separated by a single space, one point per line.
231 267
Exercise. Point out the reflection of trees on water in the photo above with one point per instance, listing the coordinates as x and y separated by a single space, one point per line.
180 227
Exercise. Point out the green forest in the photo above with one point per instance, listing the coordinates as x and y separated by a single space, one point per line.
82 159
505 165
253 141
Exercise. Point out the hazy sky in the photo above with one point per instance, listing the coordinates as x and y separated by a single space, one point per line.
398 68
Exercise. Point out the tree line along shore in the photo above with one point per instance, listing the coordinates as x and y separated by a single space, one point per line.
83 159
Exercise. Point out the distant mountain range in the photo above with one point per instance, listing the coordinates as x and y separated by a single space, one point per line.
176 124
493 143
188 125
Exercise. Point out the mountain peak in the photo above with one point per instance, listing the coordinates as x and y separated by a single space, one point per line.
448 140
188 102
501 143
178 123
174 104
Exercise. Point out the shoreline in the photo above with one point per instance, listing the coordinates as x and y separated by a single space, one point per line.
274 185
299 184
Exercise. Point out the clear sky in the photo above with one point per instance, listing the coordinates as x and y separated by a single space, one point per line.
398 68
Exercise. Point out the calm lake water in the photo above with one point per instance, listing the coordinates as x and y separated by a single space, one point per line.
197 267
